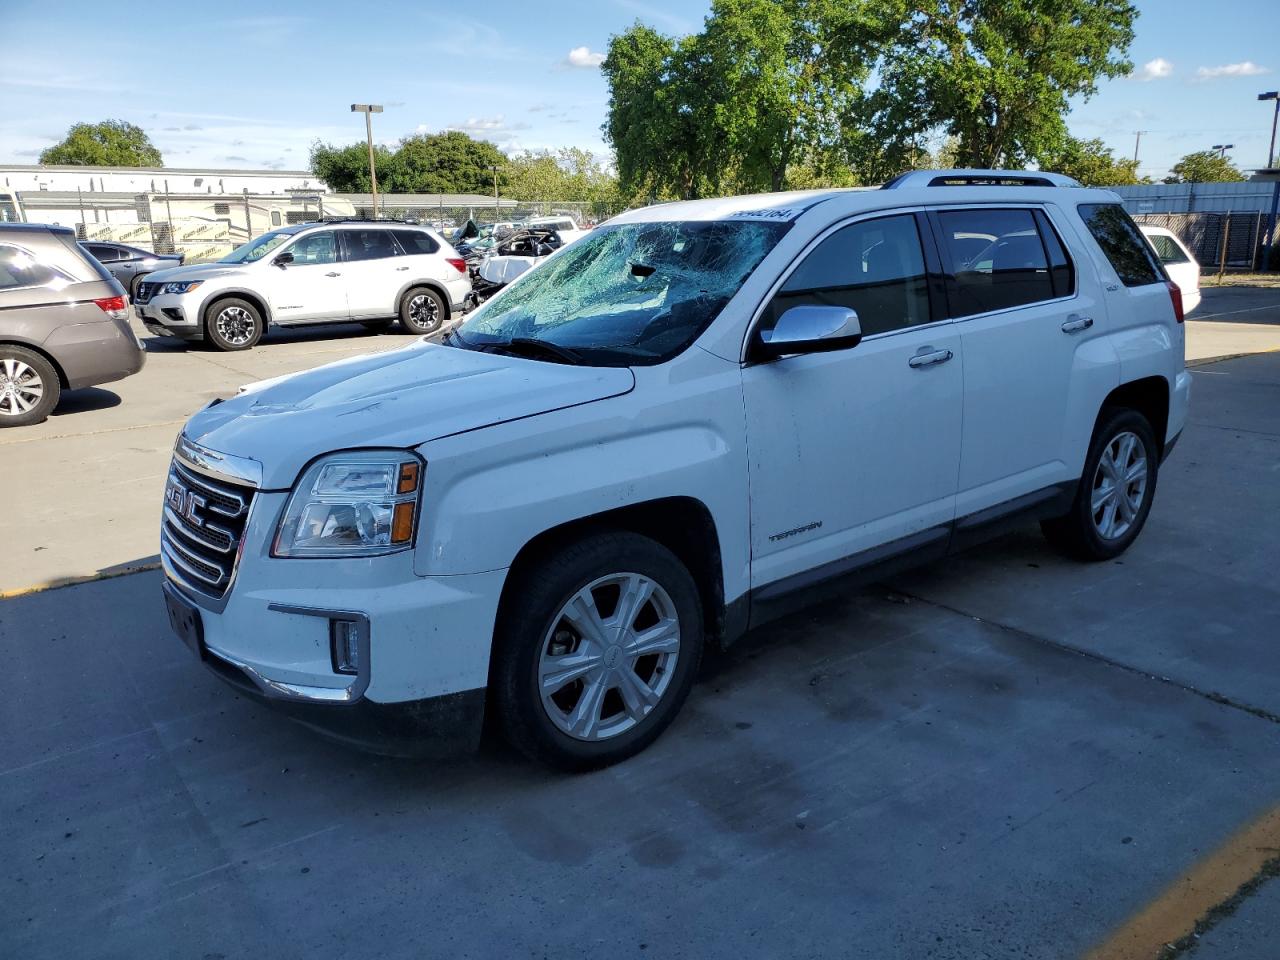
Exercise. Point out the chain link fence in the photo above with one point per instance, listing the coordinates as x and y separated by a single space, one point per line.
1218 241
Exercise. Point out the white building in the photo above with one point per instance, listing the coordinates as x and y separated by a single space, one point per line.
21 178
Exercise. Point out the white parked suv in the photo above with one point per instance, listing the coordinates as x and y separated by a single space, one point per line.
687 423
332 272
1178 263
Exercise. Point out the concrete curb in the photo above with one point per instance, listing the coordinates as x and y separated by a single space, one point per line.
75 581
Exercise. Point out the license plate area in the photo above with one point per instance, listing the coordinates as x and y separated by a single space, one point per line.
184 618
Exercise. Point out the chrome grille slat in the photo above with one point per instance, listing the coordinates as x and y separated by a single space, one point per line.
202 527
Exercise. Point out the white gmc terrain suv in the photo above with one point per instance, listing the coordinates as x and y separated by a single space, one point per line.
369 271
684 424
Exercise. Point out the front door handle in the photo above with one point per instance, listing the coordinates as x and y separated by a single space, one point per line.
333 273
399 269
1076 324
929 359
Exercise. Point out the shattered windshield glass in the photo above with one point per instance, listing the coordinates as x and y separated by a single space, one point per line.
635 293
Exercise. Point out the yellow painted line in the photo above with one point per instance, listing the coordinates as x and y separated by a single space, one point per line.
1213 881
72 581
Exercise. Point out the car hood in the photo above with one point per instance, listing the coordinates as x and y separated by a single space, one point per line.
194 271
401 398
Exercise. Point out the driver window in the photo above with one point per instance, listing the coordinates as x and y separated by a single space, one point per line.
314 248
876 267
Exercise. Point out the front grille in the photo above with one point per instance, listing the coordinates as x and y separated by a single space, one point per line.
203 528
146 291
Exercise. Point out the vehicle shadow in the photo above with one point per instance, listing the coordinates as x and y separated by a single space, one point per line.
276 335
84 400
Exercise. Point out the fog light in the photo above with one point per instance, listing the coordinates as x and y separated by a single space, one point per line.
344 645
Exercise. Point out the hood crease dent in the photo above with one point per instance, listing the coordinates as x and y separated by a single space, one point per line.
401 398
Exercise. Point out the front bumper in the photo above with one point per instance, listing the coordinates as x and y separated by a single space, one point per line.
424 647
171 315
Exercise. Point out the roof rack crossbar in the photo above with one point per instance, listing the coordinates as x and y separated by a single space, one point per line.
979 178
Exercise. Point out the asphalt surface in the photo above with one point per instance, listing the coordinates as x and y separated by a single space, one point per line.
1005 755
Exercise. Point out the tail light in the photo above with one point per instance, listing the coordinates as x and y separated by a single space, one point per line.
1175 294
457 263
113 307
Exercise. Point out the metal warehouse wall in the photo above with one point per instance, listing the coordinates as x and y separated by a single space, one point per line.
1248 197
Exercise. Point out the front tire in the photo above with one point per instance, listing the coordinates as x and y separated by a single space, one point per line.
422 311
232 324
596 651
1115 493
29 387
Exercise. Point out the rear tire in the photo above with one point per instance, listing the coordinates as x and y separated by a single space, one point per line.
232 324
29 387
1115 492
629 668
422 311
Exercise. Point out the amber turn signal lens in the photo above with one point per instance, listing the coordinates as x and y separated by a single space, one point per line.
402 523
408 478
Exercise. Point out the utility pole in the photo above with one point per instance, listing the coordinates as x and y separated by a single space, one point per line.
368 109
495 191
1271 150
1137 142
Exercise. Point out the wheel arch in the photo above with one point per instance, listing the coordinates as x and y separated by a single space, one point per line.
254 298
435 287
1149 396
684 525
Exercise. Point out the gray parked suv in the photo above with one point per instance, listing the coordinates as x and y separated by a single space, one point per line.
64 322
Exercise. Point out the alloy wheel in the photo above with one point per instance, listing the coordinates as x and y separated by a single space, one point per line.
609 656
1119 486
21 388
424 311
235 325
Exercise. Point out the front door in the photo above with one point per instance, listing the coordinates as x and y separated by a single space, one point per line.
855 449
310 287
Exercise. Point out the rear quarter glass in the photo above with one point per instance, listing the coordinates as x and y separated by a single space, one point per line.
1123 244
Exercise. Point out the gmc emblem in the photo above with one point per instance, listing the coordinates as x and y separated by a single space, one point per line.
184 502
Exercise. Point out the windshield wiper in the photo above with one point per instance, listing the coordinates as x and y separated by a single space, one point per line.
527 346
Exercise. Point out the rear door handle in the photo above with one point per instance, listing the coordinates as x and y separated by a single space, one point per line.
929 359
332 273
1076 324
401 268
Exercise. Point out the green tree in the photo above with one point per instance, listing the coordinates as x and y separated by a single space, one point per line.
763 90
111 143
1092 163
998 75
346 169
1204 166
567 174
450 162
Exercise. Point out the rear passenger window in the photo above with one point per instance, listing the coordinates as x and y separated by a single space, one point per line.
416 242
18 268
370 244
875 267
1122 242
999 259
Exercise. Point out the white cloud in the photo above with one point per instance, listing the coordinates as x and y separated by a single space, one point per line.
1156 69
1246 69
583 57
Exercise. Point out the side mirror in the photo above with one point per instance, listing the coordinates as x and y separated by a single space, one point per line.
808 329
282 260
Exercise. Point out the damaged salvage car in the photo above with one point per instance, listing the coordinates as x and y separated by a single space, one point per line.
694 419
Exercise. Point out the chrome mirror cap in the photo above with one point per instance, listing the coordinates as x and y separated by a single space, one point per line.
809 328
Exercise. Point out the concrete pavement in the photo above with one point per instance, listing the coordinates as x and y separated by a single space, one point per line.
1004 755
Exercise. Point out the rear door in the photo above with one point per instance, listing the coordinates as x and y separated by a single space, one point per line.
1026 320
375 267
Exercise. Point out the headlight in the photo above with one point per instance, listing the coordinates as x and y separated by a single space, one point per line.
182 286
361 503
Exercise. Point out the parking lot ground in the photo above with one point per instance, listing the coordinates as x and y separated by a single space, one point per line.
1005 755
1234 320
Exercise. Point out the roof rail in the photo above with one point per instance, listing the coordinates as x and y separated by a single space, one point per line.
413 223
978 178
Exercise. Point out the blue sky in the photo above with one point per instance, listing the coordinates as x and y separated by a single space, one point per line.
253 87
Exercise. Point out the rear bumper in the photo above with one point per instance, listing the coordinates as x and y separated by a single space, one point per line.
98 352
